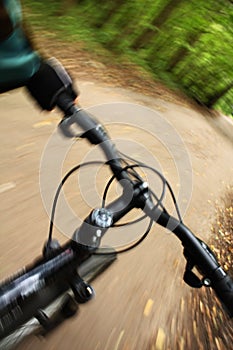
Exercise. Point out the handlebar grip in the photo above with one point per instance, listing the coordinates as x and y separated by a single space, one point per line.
224 290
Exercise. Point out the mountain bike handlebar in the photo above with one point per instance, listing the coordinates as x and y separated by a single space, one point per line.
22 296
196 252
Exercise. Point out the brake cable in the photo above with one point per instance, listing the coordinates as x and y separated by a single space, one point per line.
65 178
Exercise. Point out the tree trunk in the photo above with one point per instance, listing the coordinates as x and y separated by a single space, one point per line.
65 6
107 15
218 94
158 21
183 51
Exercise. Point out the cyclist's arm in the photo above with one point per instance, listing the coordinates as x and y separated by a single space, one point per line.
22 65
18 60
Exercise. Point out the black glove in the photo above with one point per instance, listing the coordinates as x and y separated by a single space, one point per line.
49 82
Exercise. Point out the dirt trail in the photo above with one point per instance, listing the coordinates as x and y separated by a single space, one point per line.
139 298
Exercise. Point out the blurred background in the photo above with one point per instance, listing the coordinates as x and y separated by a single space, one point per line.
185 44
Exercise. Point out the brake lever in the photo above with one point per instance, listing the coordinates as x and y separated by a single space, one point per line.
189 277
67 127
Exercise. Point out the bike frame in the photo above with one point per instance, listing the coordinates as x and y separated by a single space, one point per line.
21 297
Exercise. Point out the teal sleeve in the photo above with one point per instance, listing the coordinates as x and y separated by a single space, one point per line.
13 8
18 61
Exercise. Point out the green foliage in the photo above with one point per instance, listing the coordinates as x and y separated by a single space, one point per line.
225 105
52 19
187 44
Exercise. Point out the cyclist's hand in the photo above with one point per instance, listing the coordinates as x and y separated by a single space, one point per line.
49 82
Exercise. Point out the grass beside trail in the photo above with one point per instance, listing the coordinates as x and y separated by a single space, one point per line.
46 19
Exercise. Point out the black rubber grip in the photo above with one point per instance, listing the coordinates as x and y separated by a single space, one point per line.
224 290
65 102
